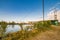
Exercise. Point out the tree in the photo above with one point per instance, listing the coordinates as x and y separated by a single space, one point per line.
3 25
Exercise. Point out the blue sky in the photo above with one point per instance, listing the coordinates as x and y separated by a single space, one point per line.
24 10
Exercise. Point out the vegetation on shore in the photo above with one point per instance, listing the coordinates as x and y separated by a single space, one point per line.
37 28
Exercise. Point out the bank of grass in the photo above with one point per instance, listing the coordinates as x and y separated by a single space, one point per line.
53 34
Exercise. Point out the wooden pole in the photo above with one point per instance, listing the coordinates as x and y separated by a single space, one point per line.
43 10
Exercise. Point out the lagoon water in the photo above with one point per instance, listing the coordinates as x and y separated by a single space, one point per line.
10 28
16 28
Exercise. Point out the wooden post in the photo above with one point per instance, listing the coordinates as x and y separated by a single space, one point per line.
43 10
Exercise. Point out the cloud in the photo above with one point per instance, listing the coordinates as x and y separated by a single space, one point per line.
20 17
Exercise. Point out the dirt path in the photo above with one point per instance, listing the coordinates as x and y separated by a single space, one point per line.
48 35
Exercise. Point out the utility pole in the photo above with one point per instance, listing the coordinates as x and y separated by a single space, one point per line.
43 9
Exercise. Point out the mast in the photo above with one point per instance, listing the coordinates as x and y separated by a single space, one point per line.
43 9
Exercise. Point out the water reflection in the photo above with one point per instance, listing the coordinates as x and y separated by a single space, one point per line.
27 27
12 29
15 28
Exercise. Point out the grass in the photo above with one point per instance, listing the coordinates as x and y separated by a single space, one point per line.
48 35
39 31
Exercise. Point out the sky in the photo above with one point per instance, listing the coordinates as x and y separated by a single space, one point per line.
24 10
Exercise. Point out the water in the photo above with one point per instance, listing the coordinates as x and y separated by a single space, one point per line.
12 29
16 28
